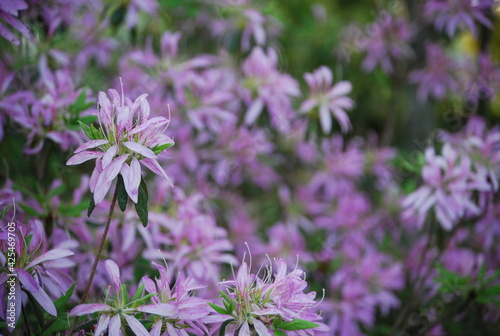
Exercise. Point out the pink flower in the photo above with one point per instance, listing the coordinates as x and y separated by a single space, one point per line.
126 138
267 87
449 183
329 99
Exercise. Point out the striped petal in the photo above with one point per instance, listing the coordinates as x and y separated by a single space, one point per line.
83 157
155 167
140 149
89 308
91 144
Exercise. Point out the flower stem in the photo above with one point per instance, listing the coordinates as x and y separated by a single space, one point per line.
99 251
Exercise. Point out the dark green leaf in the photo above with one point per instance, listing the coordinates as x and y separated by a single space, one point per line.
218 309
141 207
86 325
59 303
121 193
91 205
223 327
58 325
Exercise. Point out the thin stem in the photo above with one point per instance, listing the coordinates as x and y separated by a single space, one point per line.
99 251
26 322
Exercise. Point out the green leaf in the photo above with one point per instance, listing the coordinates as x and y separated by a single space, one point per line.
218 309
279 333
58 325
96 133
223 327
4 211
224 296
91 205
88 119
86 130
297 324
121 193
79 102
57 191
141 207
138 293
86 325
160 148
59 303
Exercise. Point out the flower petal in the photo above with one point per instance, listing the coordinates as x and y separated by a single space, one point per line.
102 325
91 144
144 151
83 156
89 308
113 272
162 309
155 167
112 170
51 255
136 326
115 325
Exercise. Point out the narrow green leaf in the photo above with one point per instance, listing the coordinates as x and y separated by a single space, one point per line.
89 118
58 325
86 130
138 293
223 326
141 207
218 309
59 303
160 148
85 325
279 333
297 324
121 193
4 211
91 205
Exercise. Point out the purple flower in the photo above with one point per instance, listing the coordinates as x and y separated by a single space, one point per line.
266 87
126 138
185 311
259 306
120 308
450 15
449 183
388 41
438 78
9 11
329 99
36 269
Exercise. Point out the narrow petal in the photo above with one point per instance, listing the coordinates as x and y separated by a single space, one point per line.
101 189
109 156
136 326
155 167
102 325
112 170
91 144
89 308
113 272
115 325
325 118
162 309
245 329
261 328
82 157
134 180
51 255
254 111
144 151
